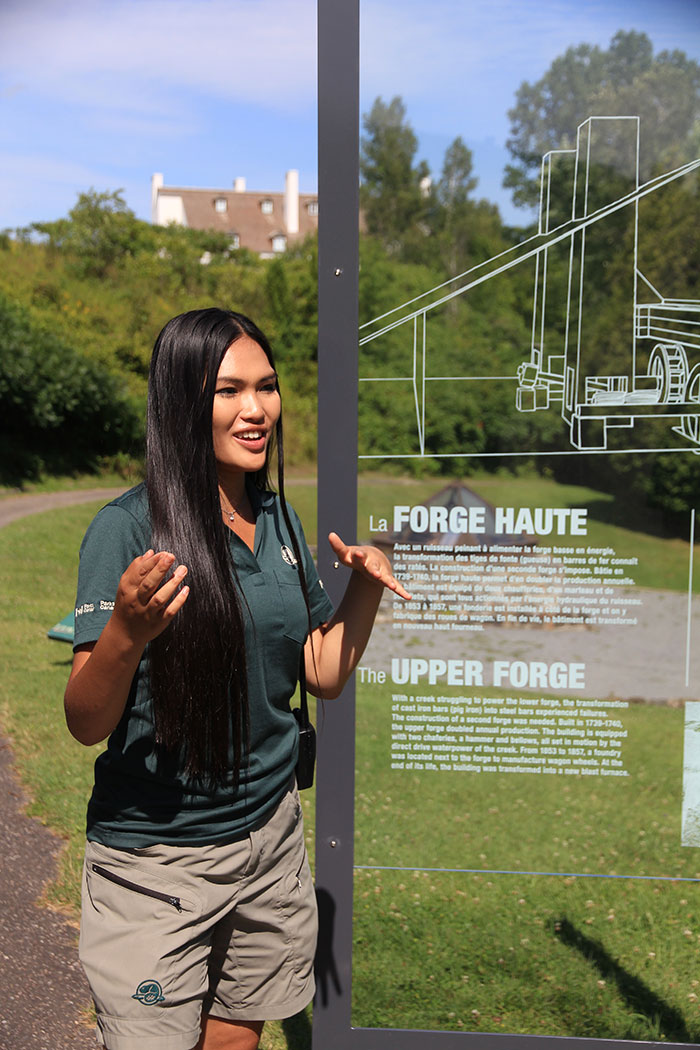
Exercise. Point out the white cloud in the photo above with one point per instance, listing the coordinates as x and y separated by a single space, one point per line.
35 187
135 52
45 169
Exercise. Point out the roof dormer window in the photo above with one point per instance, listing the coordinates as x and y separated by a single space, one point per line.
266 206
220 204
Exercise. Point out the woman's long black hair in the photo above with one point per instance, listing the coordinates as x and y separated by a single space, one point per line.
198 665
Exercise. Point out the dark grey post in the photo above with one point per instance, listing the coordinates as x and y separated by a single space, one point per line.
338 179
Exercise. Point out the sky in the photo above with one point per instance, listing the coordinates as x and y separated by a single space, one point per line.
103 93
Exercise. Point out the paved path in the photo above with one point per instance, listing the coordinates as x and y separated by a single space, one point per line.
43 993
13 507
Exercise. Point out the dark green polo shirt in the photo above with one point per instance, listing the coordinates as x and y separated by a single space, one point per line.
137 801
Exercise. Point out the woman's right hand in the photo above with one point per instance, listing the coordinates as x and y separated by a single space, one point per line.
146 599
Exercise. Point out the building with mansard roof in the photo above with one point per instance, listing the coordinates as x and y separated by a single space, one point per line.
266 223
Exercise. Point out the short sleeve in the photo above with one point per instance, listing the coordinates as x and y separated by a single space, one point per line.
111 543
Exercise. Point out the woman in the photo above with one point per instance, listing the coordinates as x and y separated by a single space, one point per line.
197 599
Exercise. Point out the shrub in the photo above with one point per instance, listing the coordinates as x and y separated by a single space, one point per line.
59 411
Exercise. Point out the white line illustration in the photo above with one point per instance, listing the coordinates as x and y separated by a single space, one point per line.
661 378
690 820
688 649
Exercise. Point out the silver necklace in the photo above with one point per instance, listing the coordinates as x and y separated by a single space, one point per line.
231 512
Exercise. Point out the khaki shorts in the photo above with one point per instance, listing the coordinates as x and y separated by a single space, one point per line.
169 932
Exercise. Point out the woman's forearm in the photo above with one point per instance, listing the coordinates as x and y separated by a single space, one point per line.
334 650
99 685
339 645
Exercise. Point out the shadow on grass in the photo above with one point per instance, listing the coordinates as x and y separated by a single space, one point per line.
325 969
67 662
297 1032
639 997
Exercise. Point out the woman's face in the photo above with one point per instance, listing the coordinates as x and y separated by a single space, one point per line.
246 407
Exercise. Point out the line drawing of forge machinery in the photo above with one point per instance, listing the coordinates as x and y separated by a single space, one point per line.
662 377
651 367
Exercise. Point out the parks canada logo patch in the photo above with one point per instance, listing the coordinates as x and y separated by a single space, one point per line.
149 993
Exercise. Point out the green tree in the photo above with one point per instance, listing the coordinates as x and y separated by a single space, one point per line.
99 232
186 259
290 285
394 193
456 209
60 411
457 180
627 79
674 487
467 231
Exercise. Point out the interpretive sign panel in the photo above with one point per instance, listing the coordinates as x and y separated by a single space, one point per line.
526 814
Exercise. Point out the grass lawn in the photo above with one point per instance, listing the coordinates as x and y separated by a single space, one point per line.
498 951
541 954
59 483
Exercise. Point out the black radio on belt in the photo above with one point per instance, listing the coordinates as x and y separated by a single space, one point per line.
307 752
306 761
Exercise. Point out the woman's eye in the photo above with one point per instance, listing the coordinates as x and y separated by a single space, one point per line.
227 391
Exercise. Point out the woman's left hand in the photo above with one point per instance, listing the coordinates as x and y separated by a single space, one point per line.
369 562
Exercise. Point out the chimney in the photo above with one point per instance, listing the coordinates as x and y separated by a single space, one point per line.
239 184
156 185
291 201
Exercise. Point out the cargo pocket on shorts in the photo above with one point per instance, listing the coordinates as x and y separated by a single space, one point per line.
122 883
135 887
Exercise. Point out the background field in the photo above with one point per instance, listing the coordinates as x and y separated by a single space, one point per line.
549 955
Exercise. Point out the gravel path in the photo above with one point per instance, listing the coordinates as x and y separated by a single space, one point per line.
648 661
